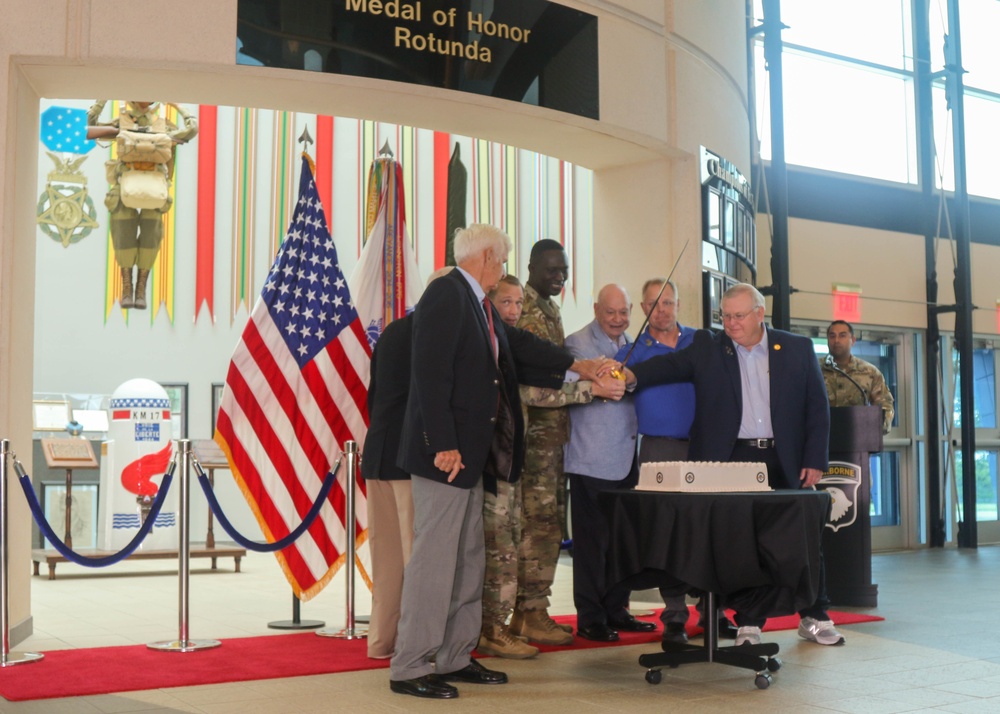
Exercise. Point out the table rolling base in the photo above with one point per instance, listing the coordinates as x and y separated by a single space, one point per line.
759 658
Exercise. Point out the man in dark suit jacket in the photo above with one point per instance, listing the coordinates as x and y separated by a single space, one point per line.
759 396
463 429
390 501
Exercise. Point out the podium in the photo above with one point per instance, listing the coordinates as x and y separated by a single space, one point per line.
855 434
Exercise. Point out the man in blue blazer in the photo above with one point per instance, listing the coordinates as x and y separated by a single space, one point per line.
759 396
463 429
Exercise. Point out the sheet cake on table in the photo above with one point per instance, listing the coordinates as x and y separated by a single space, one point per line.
703 476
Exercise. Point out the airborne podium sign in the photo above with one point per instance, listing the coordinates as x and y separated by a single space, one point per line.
855 433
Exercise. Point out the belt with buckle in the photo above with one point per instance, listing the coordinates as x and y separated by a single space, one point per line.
757 443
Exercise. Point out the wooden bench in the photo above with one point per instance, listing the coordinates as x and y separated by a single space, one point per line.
52 557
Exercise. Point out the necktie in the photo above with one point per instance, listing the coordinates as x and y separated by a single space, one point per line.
489 320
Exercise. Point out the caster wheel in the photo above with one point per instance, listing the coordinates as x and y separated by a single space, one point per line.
654 676
773 664
762 681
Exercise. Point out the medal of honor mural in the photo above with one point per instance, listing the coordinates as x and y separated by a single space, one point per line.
133 462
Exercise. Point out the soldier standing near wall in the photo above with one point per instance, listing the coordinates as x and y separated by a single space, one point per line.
846 375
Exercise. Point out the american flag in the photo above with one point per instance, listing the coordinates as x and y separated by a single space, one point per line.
296 391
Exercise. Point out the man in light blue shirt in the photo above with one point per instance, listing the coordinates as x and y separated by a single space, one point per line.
600 455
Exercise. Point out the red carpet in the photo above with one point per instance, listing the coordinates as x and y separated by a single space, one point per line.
104 670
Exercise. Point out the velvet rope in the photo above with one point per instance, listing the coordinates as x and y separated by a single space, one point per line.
213 503
73 556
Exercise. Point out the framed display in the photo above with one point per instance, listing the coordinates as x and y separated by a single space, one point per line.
49 415
177 393
217 389
92 419
83 512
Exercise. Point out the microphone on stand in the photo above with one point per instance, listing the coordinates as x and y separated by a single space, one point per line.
832 364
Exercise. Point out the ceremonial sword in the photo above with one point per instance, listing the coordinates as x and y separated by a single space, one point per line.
618 373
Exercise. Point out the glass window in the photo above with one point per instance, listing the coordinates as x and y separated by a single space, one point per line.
984 391
944 154
980 21
982 119
885 488
986 484
882 356
728 226
844 118
876 32
714 218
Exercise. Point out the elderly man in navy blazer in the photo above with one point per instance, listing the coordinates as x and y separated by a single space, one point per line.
759 396
463 429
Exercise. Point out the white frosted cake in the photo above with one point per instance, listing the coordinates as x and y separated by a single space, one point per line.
703 476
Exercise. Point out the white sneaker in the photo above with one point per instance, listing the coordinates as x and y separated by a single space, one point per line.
820 631
748 636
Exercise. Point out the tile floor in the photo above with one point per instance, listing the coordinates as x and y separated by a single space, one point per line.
936 651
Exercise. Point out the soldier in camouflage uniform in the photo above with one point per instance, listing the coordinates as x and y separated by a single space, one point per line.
840 362
542 477
502 512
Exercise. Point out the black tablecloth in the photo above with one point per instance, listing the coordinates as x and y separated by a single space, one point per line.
759 551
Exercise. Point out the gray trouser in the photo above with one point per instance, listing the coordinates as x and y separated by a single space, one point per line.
441 612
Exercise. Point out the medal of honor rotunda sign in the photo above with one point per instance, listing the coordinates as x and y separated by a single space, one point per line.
528 51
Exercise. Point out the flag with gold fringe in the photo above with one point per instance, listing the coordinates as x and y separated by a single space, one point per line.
296 391
386 281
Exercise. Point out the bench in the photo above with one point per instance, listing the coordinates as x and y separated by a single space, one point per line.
52 557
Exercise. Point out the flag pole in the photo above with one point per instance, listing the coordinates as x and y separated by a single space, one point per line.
296 623
351 631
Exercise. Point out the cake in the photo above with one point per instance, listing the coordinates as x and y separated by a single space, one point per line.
703 476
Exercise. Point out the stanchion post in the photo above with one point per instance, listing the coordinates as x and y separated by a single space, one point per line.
350 631
182 643
296 623
7 658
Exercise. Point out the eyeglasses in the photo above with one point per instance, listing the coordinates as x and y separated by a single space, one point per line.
664 303
736 316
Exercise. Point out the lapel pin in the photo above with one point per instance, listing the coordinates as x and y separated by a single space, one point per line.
777 347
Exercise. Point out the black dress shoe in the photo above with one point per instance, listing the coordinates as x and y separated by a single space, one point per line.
726 630
475 673
630 624
429 686
674 632
598 633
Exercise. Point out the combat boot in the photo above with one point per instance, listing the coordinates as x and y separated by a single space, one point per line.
538 627
141 277
497 640
126 300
